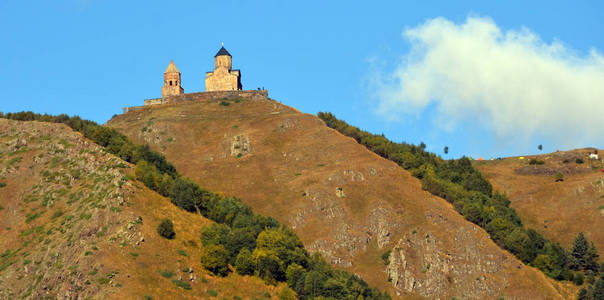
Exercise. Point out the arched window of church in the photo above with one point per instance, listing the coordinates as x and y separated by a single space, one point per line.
170 82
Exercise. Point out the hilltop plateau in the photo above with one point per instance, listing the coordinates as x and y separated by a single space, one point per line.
364 213
559 209
75 225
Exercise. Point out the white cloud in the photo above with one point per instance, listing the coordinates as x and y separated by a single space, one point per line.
512 82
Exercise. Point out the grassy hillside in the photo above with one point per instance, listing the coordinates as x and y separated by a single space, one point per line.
74 225
363 213
557 209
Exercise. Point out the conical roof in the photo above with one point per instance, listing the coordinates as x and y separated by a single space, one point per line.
172 68
222 51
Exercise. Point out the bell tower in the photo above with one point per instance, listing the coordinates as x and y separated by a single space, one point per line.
172 84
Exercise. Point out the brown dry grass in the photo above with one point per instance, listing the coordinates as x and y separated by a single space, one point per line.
558 210
73 258
292 172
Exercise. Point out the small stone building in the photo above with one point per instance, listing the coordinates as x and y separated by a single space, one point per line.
172 84
223 78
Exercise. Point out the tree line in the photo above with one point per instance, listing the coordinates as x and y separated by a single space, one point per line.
254 244
461 184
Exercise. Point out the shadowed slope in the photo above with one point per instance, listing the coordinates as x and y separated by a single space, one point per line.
342 200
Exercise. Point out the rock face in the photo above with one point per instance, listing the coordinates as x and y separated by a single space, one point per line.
343 200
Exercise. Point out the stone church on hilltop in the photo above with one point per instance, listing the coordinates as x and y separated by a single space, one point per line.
223 78
223 83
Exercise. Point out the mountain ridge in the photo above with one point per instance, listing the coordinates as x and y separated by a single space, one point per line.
264 151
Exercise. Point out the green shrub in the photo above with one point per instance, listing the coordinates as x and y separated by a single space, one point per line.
182 284
212 293
559 177
243 262
214 258
286 294
166 229
2 184
536 162
579 160
386 257
166 273
224 103
578 278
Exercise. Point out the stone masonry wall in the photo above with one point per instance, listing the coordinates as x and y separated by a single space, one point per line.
203 96
223 79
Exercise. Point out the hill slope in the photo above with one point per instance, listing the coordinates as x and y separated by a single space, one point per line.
341 199
559 210
73 226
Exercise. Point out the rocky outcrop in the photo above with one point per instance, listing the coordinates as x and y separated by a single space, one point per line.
344 201
421 264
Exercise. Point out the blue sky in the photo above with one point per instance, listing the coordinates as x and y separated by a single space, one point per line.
91 58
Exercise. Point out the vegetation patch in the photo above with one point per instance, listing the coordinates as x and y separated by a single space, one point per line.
277 254
33 216
166 229
458 182
386 257
182 284
166 273
13 161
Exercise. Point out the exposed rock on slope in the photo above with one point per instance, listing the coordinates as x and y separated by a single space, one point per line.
341 199
72 226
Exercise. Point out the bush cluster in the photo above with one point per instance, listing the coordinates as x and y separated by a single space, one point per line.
166 229
471 194
254 244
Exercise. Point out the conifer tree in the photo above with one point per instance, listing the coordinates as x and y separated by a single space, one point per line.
598 290
580 249
591 258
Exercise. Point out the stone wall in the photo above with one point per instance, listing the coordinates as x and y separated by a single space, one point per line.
223 79
203 96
